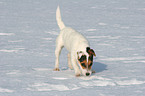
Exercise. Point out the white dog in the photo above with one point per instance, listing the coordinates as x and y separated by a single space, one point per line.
80 56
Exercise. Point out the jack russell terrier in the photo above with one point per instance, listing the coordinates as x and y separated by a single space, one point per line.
80 56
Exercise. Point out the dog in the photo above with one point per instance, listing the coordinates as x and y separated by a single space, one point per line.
80 55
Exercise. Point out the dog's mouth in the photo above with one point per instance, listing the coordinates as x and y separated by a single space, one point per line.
86 68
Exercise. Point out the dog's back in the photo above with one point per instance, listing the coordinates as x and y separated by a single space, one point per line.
70 37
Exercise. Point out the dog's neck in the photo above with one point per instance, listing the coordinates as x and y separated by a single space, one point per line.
82 47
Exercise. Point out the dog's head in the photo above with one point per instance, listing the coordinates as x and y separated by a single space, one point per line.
85 61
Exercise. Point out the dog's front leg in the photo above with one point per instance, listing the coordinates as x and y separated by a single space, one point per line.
75 66
57 53
69 61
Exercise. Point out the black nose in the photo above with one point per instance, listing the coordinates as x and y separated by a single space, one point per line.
87 74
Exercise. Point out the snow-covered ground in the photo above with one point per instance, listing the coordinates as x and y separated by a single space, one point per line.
114 28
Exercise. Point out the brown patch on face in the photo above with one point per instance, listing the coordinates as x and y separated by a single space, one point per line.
84 64
90 63
83 61
90 59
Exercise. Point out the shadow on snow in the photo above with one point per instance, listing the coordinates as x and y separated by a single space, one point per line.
99 67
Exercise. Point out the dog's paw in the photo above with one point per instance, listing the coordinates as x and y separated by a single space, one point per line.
93 71
56 69
78 75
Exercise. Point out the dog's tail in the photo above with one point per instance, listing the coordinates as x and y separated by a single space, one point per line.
58 19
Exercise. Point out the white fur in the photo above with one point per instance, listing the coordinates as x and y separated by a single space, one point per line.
73 41
58 18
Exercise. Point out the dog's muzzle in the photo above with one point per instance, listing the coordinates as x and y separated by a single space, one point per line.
87 74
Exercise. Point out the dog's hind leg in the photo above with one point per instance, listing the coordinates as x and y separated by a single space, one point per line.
59 46
69 61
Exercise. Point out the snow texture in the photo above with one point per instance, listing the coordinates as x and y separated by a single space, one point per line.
114 28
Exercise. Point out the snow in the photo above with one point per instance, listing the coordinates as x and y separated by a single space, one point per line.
7 34
114 28
5 90
47 87
4 50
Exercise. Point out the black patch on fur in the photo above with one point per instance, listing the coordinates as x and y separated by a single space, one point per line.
91 57
90 65
83 57
83 64
87 49
90 51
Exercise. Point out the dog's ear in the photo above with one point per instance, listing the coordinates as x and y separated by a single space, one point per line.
90 51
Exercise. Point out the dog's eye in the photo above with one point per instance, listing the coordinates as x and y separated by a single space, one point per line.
83 64
82 58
